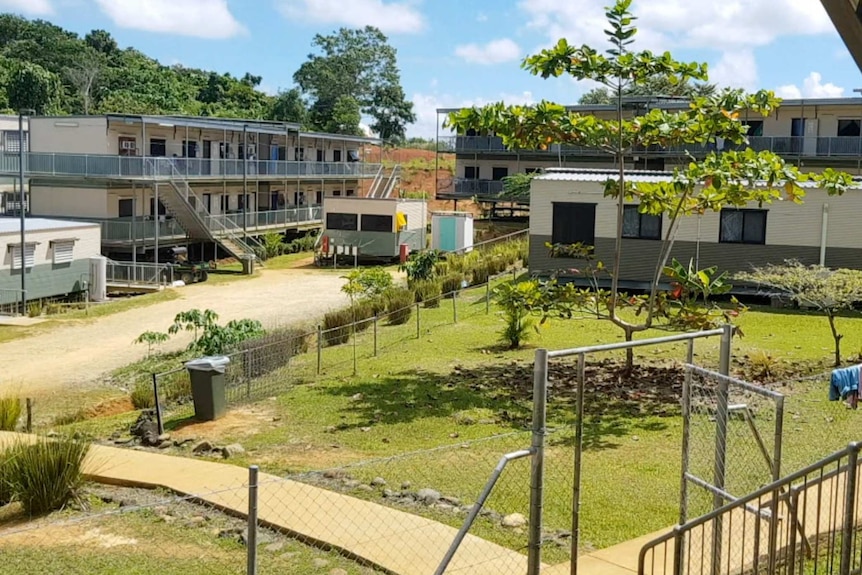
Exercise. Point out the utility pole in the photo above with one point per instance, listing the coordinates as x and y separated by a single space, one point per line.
244 182
21 198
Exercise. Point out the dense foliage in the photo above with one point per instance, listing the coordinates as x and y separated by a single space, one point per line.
53 71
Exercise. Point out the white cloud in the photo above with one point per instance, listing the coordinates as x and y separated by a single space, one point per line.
481 17
210 19
428 123
812 87
27 7
735 69
391 17
494 52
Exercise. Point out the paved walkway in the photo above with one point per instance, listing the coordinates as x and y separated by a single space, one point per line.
398 542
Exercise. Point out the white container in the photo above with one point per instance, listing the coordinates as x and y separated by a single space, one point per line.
98 279
452 231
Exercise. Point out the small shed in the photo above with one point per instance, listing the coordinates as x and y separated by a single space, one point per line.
452 231
55 256
373 227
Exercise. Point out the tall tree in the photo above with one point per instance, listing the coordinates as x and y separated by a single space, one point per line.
657 85
288 106
358 64
102 41
83 77
33 87
734 178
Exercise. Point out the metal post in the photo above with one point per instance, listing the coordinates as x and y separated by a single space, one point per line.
849 509
134 234
158 404
488 296
579 448
686 434
244 180
455 306
720 444
319 346
375 335
537 475
252 520
157 221
353 329
29 415
21 211
417 320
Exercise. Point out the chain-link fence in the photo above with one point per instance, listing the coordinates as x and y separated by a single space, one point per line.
288 356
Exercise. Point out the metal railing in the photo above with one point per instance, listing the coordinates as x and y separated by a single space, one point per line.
481 188
110 166
266 219
814 146
131 274
806 522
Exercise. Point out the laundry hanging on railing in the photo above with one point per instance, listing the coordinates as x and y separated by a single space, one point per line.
844 384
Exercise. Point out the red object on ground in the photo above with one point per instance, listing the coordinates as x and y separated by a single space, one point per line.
403 252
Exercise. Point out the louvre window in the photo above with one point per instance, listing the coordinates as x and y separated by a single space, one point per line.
12 139
63 251
29 255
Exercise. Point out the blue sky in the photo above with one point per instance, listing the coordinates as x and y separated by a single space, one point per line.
463 52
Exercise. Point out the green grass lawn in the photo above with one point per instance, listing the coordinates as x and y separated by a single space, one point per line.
455 384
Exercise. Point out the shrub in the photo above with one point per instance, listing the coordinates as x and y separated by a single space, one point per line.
5 483
480 274
34 309
364 283
363 312
272 351
302 244
420 265
336 326
428 292
452 283
142 396
273 245
10 411
399 306
44 476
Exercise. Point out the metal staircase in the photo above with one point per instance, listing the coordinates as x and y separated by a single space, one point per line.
382 186
187 208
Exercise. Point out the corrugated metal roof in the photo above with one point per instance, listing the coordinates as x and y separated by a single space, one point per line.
599 175
13 225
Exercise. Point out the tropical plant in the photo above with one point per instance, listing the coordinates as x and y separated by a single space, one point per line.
193 320
717 180
219 340
420 265
152 339
273 245
518 302
827 291
367 283
44 475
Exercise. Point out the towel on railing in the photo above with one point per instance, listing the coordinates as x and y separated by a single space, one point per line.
844 381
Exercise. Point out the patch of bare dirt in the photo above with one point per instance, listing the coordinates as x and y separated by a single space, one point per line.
239 422
110 407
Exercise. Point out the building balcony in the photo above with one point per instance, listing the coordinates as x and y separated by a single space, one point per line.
789 146
93 166
464 188
142 230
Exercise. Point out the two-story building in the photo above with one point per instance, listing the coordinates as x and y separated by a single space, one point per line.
812 134
156 181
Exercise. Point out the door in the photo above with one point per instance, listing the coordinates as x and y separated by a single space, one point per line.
273 200
448 234
797 133
206 164
809 146
208 204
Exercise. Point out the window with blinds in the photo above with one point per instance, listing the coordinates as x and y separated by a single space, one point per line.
29 255
11 141
63 251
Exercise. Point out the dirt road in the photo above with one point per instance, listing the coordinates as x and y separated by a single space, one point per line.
77 355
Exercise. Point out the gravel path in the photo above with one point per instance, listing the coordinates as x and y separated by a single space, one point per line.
79 355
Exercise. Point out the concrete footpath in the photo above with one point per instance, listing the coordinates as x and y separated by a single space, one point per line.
395 541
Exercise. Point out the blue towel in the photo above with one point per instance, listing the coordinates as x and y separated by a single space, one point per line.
843 382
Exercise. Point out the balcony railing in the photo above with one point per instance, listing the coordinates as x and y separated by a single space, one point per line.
107 166
479 188
128 230
782 145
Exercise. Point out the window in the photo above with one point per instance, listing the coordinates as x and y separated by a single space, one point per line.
320 155
337 193
224 150
29 255
162 210
372 223
299 154
742 227
471 172
63 251
336 221
755 128
190 149
532 170
574 223
336 155
642 226
498 174
349 193
849 128
318 198
11 141
223 200
158 147
126 207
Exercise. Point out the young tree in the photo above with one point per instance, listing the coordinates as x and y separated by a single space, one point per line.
361 65
828 291
734 178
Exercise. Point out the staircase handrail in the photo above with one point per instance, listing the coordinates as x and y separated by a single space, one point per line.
394 177
375 183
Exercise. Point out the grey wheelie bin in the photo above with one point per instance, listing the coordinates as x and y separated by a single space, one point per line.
208 387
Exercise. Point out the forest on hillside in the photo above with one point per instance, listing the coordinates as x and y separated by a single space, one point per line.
54 71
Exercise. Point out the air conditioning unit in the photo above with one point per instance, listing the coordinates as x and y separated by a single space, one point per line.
129 145
252 149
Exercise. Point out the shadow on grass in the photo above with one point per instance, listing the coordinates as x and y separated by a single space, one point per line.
616 404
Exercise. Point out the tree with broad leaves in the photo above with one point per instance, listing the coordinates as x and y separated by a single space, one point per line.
33 87
288 106
357 65
735 178
827 291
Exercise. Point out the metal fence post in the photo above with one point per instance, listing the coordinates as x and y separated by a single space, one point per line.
158 404
719 468
375 335
686 435
252 520
319 346
849 508
579 448
455 306
29 415
488 296
417 321
540 399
